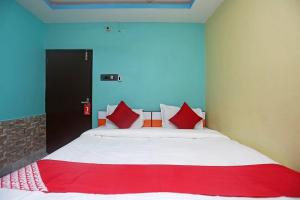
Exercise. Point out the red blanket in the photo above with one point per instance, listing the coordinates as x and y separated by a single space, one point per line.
264 180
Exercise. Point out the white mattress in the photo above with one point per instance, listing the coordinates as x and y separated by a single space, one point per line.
148 146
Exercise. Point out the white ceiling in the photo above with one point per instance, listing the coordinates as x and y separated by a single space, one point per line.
199 13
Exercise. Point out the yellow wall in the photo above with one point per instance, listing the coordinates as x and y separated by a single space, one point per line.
253 75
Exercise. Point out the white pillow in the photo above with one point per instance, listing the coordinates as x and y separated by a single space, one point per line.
137 124
167 112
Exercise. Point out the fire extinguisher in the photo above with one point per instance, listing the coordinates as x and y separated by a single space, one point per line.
87 107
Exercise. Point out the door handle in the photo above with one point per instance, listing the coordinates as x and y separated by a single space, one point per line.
86 101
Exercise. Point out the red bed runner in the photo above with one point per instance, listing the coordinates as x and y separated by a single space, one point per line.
264 180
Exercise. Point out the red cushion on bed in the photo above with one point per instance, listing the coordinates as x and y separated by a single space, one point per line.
185 118
123 116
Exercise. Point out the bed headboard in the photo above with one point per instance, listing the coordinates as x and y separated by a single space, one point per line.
151 119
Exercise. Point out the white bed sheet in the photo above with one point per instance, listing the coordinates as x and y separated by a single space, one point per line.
148 146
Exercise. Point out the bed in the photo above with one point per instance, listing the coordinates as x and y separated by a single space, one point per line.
148 146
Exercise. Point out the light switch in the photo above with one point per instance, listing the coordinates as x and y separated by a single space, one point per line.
109 77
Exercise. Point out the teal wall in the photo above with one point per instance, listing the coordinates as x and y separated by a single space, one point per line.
158 62
21 62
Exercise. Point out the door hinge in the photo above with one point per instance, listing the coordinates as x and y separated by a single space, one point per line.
86 56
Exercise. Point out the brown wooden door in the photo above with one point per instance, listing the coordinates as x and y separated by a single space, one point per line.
68 83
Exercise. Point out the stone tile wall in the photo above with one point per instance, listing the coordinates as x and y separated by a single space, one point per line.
22 141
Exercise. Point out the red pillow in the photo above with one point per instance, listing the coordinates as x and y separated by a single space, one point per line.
123 116
185 118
